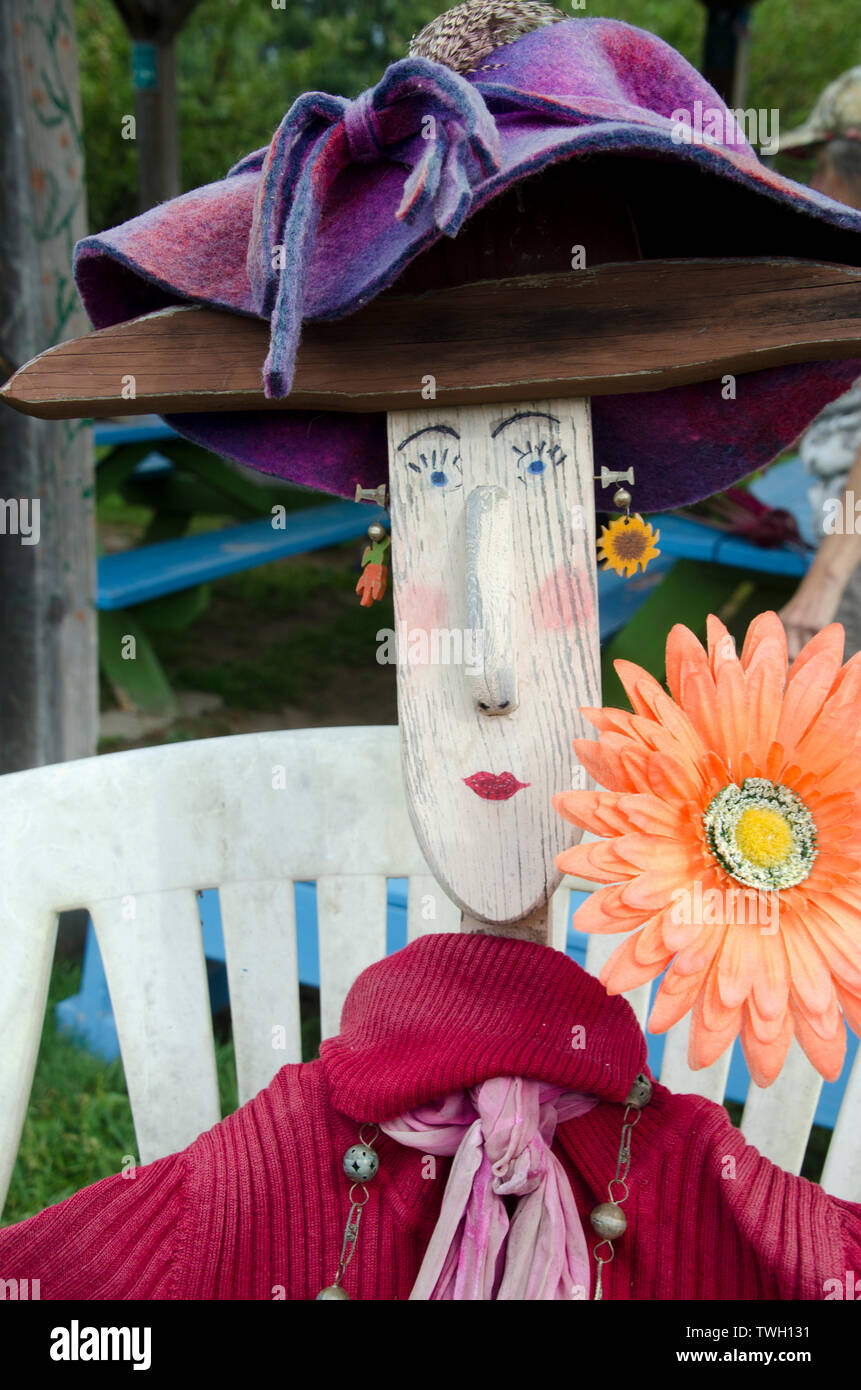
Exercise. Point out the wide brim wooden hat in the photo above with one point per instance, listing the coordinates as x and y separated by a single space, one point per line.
546 147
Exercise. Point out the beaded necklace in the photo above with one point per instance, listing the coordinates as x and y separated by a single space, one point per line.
608 1220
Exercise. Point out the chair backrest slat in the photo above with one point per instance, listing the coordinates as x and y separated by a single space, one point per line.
26 957
429 909
152 949
258 919
841 1174
677 1076
598 951
778 1118
351 915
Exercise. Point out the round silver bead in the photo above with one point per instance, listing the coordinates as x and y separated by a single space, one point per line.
608 1221
376 532
333 1291
361 1163
640 1093
622 498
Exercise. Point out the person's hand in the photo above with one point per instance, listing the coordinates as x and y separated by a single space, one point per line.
811 608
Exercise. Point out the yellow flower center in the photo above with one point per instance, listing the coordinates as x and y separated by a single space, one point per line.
764 837
762 833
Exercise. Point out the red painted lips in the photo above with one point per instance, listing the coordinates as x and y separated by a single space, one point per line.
493 788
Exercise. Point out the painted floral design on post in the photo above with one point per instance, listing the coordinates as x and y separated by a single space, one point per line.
744 781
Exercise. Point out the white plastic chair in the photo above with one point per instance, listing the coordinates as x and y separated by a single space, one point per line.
133 836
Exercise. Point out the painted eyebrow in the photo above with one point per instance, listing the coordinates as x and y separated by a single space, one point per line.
441 429
524 415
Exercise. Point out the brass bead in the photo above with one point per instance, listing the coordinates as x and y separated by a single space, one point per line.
640 1093
376 532
622 498
333 1291
608 1221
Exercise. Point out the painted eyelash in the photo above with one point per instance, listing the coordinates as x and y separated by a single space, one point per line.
436 464
555 454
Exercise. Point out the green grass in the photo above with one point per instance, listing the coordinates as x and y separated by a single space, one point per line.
79 1128
308 626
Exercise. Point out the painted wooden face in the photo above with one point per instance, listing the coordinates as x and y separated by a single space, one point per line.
495 594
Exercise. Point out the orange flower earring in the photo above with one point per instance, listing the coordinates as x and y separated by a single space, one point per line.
372 582
629 541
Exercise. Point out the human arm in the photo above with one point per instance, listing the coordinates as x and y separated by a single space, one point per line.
817 598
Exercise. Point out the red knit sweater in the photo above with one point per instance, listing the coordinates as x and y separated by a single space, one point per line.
255 1208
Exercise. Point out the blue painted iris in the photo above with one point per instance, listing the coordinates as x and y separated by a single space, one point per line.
440 468
535 460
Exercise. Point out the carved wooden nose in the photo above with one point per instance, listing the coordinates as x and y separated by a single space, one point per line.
492 675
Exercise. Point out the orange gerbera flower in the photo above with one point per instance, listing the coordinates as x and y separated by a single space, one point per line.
733 842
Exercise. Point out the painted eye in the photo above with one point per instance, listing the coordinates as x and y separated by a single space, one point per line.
532 462
439 468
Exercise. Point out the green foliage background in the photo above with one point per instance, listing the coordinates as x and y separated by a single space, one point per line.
242 63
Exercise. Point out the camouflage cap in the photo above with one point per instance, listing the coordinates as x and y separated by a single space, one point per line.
836 115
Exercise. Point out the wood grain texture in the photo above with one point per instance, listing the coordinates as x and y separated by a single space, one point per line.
640 326
494 854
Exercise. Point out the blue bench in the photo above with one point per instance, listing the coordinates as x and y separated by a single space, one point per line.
135 576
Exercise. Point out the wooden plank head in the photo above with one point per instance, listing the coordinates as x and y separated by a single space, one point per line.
496 631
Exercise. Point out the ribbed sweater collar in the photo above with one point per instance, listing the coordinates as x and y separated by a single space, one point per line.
452 1010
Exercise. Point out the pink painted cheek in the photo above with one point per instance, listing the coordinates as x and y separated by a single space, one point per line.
421 605
564 600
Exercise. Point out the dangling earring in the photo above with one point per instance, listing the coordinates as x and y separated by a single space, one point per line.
372 581
628 541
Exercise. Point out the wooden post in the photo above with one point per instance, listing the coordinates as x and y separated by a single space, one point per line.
153 26
49 680
726 49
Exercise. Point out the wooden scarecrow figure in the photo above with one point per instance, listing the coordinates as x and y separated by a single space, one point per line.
513 272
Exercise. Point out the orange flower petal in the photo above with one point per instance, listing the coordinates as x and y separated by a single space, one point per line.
595 861
826 1054
684 656
702 951
715 1014
674 998
649 947
804 698
623 971
596 913
770 991
737 965
851 1005
602 762
595 811
765 640
669 780
829 640
652 815
765 1057
811 978
732 706
706 1044
650 891
661 853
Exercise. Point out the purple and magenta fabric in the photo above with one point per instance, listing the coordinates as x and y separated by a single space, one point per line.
348 193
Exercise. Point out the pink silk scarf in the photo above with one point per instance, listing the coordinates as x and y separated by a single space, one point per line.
500 1134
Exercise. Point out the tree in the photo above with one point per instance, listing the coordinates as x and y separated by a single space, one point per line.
48 668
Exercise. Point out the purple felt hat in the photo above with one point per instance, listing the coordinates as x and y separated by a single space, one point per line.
350 193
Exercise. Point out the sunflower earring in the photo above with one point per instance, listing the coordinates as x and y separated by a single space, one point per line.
628 541
372 581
